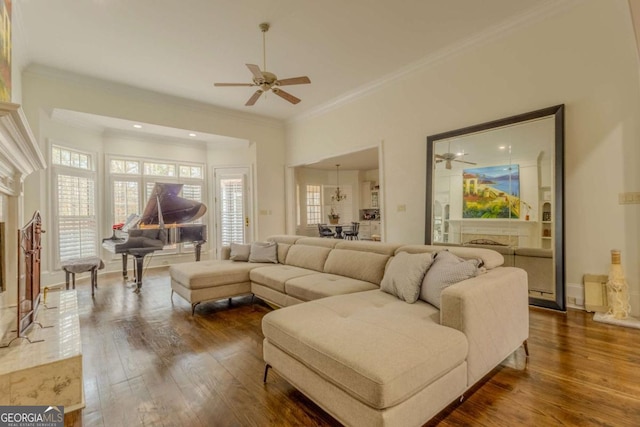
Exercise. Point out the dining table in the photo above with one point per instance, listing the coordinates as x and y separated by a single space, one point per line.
338 228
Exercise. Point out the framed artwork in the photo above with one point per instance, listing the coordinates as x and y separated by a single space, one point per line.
491 192
5 50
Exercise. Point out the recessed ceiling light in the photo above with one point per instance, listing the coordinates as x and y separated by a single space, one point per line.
137 126
502 147
192 134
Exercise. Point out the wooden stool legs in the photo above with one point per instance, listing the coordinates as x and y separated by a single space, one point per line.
72 275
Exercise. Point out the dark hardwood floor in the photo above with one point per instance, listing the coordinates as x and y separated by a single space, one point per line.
148 362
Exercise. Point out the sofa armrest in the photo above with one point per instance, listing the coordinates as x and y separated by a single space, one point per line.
225 252
492 310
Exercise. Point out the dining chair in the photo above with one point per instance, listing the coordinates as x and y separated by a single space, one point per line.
325 231
353 233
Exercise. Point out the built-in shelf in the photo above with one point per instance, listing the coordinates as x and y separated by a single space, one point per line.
546 229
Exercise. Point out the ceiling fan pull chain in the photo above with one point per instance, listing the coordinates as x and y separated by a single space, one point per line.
264 50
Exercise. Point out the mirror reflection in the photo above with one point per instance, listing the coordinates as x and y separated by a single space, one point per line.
496 186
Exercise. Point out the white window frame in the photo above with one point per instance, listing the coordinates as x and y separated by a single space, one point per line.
318 205
55 171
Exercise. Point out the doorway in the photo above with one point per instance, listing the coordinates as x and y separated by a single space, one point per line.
233 219
359 177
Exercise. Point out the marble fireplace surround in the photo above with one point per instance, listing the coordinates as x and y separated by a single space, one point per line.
47 371
20 156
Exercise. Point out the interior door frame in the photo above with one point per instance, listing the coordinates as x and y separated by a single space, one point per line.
248 210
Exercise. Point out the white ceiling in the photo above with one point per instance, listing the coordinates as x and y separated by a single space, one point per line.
182 47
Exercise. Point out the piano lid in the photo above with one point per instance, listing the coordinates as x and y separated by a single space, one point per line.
174 209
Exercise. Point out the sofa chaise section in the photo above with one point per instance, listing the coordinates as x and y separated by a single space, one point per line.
374 350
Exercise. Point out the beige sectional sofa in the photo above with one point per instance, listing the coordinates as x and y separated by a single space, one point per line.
363 355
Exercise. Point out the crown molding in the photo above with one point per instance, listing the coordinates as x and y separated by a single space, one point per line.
81 80
496 32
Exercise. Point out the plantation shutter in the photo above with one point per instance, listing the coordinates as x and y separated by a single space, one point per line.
126 199
232 210
77 223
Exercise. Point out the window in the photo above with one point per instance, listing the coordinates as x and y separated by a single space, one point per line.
74 189
159 169
232 210
132 181
314 208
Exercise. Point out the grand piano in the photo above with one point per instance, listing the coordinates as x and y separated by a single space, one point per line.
164 222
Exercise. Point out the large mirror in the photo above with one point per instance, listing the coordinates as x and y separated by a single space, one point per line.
500 185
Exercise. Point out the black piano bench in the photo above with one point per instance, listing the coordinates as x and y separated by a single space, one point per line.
81 265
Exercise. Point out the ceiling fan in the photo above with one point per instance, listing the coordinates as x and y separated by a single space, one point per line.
451 157
268 81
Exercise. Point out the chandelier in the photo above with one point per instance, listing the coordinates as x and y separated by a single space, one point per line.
338 196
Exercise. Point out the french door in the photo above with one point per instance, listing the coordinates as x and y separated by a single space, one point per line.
232 205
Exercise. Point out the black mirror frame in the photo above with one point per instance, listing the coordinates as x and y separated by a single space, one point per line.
558 215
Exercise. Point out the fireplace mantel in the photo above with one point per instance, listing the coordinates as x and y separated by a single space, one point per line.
21 154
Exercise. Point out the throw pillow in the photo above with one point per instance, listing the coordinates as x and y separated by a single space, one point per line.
264 252
240 252
404 274
446 270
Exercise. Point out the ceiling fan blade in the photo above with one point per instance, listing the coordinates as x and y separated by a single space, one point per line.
439 156
463 161
286 95
234 84
255 70
254 98
294 81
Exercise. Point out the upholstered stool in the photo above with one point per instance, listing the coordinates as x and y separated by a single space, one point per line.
81 265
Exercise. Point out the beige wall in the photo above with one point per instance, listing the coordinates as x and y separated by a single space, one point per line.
45 89
583 56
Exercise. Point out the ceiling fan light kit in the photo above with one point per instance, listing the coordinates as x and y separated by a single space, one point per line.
267 81
451 157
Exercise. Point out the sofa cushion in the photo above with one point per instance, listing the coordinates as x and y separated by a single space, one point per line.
404 274
366 246
284 243
321 285
310 257
264 252
367 266
240 252
275 276
446 270
318 241
205 274
370 344
489 257
284 238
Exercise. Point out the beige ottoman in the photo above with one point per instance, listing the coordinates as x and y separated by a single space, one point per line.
211 280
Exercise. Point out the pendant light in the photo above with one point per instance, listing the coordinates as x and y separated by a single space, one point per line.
338 196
